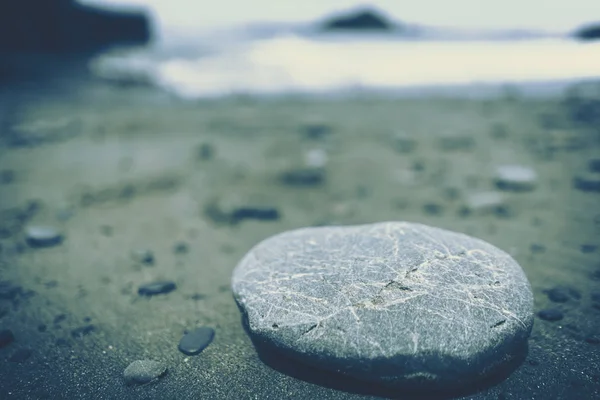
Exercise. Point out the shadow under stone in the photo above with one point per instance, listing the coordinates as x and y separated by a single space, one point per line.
422 390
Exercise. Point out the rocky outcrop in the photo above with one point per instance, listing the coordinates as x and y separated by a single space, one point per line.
362 20
588 32
65 26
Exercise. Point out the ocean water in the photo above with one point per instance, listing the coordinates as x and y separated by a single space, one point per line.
294 63
282 57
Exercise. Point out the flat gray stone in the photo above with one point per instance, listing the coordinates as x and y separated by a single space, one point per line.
43 236
515 178
396 302
143 371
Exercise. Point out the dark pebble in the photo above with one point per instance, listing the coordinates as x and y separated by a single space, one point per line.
42 327
588 248
194 342
561 294
433 209
303 177
258 213
551 314
504 212
205 152
180 248
143 257
59 318
594 165
6 337
586 184
20 355
595 276
61 342
82 331
8 291
595 296
154 288
537 248
316 130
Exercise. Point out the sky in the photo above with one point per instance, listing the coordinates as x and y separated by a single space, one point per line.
553 15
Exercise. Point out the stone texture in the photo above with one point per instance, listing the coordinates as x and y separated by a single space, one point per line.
143 371
395 303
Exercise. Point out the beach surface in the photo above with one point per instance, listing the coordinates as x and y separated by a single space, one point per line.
121 170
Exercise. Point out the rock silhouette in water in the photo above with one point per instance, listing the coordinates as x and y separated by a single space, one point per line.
393 303
359 20
588 32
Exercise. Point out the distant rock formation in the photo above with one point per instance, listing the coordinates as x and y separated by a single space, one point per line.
362 20
65 26
588 32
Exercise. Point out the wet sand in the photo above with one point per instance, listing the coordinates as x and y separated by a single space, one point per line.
121 170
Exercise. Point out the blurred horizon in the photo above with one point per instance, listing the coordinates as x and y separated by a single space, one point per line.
555 16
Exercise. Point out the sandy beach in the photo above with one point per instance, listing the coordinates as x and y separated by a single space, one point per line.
122 169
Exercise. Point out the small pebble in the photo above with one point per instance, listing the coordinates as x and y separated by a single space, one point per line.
154 288
194 342
537 248
594 165
433 209
143 257
6 337
43 236
205 152
143 371
315 158
20 355
257 213
587 182
316 130
551 314
180 248
303 177
561 294
515 178
588 248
